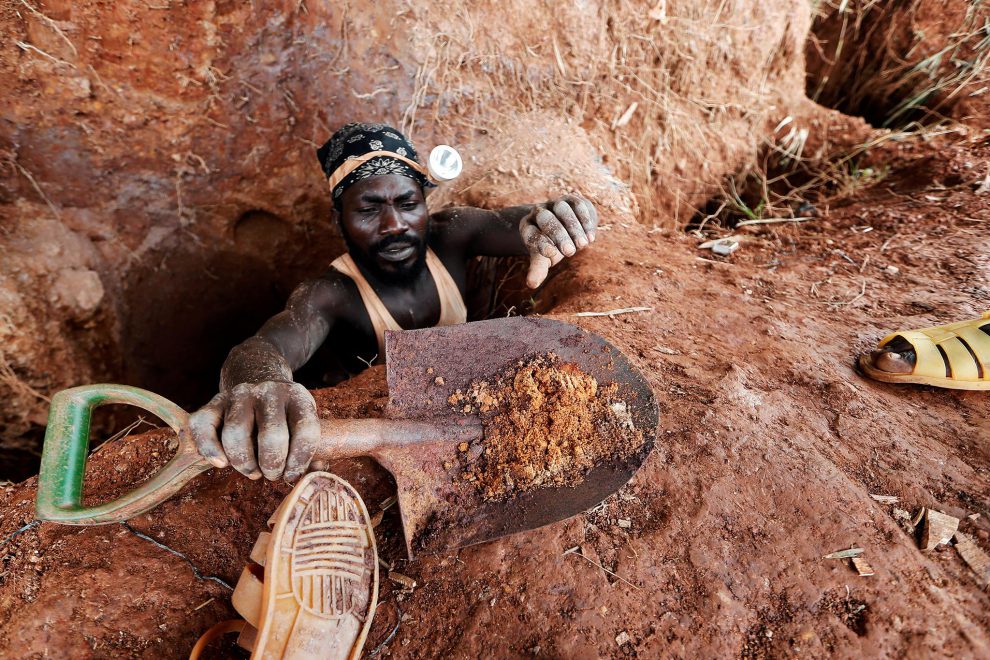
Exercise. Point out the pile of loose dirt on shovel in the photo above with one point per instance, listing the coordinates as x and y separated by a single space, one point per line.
546 423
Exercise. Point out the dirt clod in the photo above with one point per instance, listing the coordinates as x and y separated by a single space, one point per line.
546 424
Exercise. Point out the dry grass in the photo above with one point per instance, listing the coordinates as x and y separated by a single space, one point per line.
657 105
15 383
877 60
779 185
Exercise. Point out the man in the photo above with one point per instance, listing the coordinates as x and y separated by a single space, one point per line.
404 269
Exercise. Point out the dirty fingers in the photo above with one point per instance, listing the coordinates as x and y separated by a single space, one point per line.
555 231
268 429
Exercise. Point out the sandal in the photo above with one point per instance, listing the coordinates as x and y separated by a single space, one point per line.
954 356
312 586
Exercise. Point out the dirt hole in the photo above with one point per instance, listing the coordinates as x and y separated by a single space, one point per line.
185 306
895 63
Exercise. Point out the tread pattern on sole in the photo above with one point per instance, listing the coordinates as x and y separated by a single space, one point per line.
329 568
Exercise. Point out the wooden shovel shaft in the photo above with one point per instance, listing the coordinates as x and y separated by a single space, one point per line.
346 438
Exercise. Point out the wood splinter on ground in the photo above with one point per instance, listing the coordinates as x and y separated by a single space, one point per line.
406 581
614 312
862 567
936 527
975 558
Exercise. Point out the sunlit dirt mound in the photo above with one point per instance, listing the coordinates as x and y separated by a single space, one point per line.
159 188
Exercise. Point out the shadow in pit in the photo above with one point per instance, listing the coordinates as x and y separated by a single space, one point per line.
187 306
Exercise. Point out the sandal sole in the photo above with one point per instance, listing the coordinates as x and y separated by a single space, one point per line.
321 574
946 383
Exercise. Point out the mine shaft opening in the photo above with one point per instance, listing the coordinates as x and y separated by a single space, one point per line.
185 306
188 307
894 77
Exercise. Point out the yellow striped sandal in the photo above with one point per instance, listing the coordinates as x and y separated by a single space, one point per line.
954 356
311 589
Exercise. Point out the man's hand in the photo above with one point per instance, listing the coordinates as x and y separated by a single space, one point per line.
556 230
288 429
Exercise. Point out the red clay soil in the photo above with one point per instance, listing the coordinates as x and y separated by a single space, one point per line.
770 447
547 423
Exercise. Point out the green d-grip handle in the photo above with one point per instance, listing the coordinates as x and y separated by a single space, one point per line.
63 459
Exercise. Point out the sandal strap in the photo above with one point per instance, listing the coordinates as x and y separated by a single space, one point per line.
961 346
248 637
222 628
979 341
928 361
248 595
259 553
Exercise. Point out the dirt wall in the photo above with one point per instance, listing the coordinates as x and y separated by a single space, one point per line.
159 193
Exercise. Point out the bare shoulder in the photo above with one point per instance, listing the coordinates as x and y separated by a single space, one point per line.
330 294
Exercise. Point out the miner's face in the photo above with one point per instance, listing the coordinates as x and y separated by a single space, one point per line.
385 224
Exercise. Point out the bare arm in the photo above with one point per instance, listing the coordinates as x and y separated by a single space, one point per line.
261 422
546 232
286 341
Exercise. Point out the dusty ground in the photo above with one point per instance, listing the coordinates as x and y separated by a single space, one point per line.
771 445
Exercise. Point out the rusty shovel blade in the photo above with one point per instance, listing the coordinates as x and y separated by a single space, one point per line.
439 510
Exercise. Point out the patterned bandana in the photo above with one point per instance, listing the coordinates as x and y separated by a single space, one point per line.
359 151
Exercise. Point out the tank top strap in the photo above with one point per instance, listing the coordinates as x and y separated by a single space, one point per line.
381 319
452 308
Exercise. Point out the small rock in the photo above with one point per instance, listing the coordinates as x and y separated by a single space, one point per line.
80 290
625 524
725 247
975 558
622 638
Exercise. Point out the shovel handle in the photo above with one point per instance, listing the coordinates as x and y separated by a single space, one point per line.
63 459
375 437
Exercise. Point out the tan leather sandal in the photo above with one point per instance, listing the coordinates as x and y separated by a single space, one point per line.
312 586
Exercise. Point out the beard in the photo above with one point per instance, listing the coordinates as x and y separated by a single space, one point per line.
389 272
